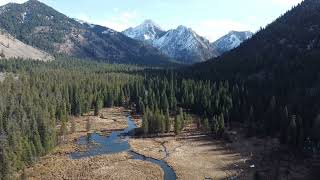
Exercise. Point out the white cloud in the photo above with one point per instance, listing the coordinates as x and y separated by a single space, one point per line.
3 2
120 21
82 17
214 29
287 3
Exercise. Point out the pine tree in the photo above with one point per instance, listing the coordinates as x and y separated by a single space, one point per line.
164 102
221 124
177 125
63 130
167 122
182 119
145 122
215 124
315 129
292 131
88 125
77 106
97 106
251 122
205 125
6 168
73 126
27 156
162 122
284 125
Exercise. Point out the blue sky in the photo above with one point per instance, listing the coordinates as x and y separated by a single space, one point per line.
209 18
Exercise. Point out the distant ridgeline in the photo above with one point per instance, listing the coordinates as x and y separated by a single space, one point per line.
184 44
40 26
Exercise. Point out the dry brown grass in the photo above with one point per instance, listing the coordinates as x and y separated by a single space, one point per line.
192 157
116 166
196 156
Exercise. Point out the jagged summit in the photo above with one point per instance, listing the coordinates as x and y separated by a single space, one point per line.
34 3
181 27
182 43
185 45
149 22
148 31
231 40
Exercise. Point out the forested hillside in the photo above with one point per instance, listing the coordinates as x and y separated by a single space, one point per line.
41 26
37 97
40 98
279 66
277 51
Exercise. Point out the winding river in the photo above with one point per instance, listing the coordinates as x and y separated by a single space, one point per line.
115 143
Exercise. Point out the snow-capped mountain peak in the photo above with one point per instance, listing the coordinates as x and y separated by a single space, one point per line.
150 24
182 28
231 40
148 31
185 45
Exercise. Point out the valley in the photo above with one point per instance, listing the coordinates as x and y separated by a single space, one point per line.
60 165
98 153
96 96
221 161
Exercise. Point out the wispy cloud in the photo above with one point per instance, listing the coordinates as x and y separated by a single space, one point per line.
3 2
120 21
213 29
287 3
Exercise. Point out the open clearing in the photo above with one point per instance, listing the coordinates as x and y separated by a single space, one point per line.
192 155
195 156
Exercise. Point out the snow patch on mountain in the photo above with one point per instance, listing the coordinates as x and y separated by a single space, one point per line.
185 45
230 41
148 31
84 23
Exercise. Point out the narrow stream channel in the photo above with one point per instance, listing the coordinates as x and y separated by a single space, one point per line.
115 143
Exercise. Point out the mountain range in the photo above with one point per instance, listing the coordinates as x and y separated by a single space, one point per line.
40 26
184 44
